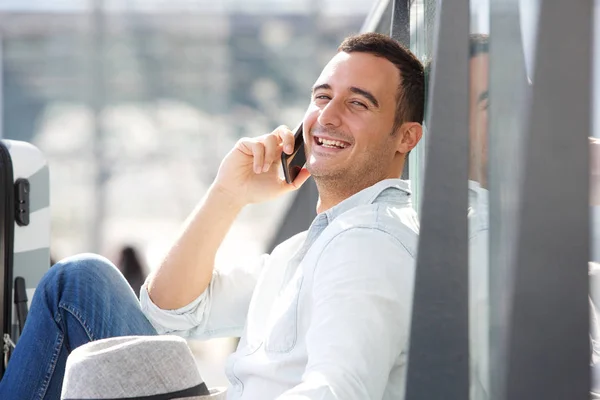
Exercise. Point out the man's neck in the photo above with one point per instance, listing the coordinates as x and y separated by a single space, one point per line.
330 197
324 203
333 190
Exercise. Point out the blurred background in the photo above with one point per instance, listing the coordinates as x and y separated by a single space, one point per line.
134 104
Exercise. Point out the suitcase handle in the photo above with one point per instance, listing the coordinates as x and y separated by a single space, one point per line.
21 302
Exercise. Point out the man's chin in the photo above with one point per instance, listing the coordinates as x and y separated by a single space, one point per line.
325 174
320 170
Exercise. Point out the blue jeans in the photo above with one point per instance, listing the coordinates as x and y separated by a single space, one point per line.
80 299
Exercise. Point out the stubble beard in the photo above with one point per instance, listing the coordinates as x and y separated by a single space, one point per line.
345 182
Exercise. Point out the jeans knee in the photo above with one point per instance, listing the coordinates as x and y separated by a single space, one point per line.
86 268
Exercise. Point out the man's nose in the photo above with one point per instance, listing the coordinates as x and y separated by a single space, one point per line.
330 115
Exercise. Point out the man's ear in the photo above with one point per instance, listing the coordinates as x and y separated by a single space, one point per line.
410 134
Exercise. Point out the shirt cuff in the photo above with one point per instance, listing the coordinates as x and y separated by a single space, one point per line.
179 321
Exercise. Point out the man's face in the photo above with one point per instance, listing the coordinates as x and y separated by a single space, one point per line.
478 126
348 125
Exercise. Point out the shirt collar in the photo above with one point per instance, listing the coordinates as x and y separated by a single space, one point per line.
370 194
478 195
478 203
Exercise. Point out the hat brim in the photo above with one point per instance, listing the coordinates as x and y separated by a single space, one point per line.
215 394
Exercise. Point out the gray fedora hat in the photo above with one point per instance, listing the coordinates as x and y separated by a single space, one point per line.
135 367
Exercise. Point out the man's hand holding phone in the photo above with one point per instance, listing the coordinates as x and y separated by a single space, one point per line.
249 173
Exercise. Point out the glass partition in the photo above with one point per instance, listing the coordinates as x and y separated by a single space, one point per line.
478 203
501 67
422 20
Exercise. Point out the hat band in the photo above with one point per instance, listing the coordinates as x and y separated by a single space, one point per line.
200 390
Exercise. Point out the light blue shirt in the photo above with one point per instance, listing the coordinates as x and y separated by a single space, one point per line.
326 315
479 324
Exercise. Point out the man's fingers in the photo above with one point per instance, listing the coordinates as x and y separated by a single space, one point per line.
258 154
302 177
272 151
287 138
267 149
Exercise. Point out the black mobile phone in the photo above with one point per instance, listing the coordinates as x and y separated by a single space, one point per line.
292 163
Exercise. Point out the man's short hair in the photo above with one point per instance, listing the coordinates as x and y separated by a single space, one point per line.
479 43
410 101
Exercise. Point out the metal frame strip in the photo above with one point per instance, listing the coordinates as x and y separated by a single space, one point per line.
549 350
438 366
400 30
509 90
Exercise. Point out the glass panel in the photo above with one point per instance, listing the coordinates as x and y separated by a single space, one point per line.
494 182
595 209
384 25
595 148
552 238
495 165
478 199
422 20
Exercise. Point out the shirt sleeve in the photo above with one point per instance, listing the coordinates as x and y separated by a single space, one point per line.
220 311
362 303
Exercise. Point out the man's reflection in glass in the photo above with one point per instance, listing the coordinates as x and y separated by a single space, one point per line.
479 229
594 267
478 216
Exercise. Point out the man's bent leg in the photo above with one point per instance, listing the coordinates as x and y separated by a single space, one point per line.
80 299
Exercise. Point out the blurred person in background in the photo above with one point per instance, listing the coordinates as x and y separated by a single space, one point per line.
130 266
326 315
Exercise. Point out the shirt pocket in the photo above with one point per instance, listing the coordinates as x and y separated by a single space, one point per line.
282 331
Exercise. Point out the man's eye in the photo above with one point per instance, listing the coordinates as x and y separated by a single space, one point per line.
358 103
322 97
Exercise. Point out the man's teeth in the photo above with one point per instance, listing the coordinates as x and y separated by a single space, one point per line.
331 143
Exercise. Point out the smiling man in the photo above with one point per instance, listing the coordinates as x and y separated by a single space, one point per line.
369 98
326 315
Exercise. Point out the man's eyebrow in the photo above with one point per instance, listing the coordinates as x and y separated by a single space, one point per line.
365 94
321 86
483 96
